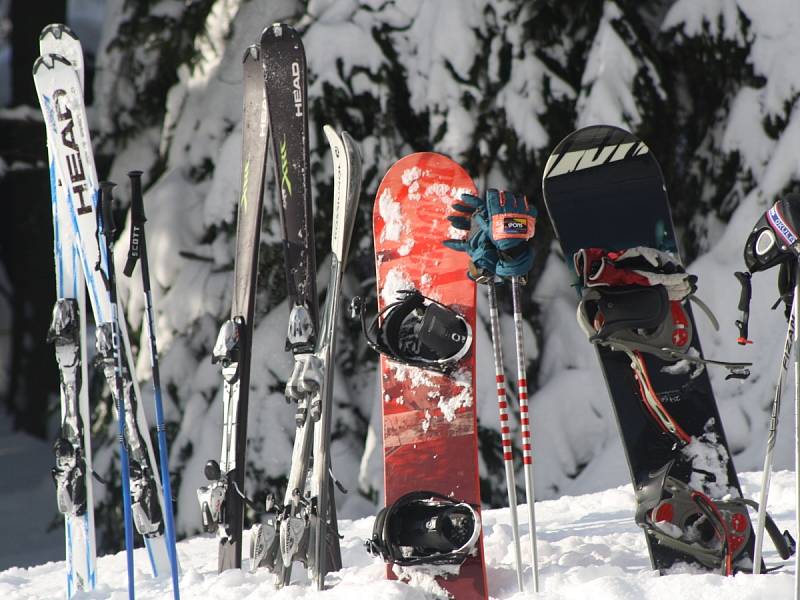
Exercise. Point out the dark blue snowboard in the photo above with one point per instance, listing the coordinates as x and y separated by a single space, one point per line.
603 188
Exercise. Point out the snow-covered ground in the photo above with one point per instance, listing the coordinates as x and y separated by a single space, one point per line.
589 547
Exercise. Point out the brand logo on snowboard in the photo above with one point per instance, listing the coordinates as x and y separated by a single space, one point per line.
560 164
77 174
297 92
286 183
671 397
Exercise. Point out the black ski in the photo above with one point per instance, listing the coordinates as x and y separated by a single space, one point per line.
222 501
284 63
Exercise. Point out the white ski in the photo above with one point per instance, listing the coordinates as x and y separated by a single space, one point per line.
79 530
325 555
60 95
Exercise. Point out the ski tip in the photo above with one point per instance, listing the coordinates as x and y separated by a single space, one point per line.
351 145
49 61
252 53
332 135
279 30
57 30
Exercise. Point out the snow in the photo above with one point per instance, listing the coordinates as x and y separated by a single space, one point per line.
611 71
717 17
588 546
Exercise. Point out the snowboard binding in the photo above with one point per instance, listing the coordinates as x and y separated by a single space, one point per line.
417 331
712 532
633 301
425 528
774 241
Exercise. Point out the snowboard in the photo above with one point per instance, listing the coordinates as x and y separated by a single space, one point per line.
603 188
430 434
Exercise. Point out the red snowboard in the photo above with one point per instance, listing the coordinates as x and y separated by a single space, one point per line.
430 433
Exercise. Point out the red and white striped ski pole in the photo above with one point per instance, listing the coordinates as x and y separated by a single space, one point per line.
505 431
527 454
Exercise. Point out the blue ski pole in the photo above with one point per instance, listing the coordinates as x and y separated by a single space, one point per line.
137 251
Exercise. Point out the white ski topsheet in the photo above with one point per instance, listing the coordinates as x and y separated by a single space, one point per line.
61 98
79 531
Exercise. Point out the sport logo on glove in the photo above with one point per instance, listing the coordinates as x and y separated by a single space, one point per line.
513 225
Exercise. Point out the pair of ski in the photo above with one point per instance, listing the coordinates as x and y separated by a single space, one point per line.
83 232
303 528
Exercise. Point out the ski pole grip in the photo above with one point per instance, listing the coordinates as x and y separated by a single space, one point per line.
106 219
137 201
137 224
106 198
744 306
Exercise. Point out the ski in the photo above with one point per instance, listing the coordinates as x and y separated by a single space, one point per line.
284 65
326 555
222 500
72 473
284 62
61 98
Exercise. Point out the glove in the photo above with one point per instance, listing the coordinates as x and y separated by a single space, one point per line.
510 222
478 245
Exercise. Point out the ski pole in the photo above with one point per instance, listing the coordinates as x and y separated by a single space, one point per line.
527 456
138 251
771 437
796 316
505 433
106 222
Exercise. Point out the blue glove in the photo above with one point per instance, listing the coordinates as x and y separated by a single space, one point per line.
479 246
509 221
